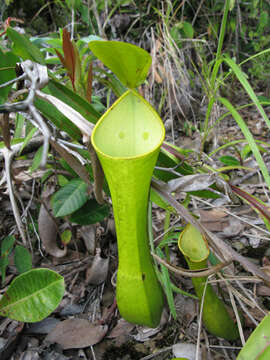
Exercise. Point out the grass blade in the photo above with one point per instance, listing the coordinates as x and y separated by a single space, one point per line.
252 143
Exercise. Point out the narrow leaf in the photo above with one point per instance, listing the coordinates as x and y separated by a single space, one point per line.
255 203
24 48
245 130
241 77
69 55
229 160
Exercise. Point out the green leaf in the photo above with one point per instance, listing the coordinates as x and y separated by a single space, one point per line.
257 345
229 160
66 237
27 139
245 152
23 47
7 245
166 282
90 213
37 159
245 130
187 30
33 295
128 62
159 201
7 72
22 259
66 95
246 85
69 198
3 266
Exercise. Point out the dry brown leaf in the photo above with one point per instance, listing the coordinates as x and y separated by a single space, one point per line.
76 334
263 290
47 228
214 220
74 163
98 271
88 233
122 328
185 308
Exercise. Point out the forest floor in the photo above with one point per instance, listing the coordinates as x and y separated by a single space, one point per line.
234 222
89 267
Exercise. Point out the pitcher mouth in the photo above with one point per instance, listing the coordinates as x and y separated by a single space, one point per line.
130 128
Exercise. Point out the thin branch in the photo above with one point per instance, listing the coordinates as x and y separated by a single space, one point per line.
184 272
8 155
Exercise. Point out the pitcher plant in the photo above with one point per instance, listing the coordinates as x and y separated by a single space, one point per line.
127 140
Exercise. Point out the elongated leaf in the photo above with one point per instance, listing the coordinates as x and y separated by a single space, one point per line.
6 247
257 345
164 275
90 213
7 72
257 204
69 198
69 54
241 77
56 117
33 295
37 159
128 62
229 160
75 101
23 47
245 130
28 138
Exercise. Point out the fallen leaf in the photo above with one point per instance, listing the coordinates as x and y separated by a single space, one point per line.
214 220
42 327
88 233
76 334
263 290
186 350
47 228
98 271
122 328
186 309
144 332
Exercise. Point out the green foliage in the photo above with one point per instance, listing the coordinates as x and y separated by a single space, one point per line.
257 345
90 213
6 247
229 160
69 198
8 61
22 257
24 48
128 62
71 82
32 296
